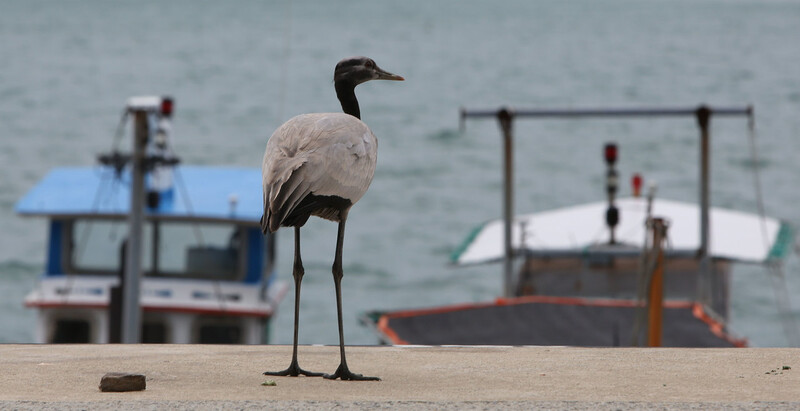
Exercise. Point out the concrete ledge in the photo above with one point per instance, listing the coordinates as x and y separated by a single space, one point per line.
205 376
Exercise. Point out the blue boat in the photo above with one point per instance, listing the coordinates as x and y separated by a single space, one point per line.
206 269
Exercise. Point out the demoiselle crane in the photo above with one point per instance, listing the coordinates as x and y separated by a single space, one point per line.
321 164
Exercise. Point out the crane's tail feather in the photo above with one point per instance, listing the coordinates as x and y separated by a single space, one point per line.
283 216
290 194
280 181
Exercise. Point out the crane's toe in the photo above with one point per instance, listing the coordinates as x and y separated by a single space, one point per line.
344 373
294 370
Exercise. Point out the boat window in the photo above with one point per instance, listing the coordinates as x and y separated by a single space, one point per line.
208 251
169 248
95 245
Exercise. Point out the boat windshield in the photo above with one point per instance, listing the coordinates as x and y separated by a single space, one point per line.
169 248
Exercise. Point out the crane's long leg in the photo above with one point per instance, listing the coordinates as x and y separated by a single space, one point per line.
342 372
297 272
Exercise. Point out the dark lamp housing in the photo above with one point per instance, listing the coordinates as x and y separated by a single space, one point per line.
166 106
611 153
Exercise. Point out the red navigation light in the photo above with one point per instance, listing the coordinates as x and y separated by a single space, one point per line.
636 182
611 153
166 106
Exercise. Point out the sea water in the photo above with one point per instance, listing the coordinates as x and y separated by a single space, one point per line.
237 70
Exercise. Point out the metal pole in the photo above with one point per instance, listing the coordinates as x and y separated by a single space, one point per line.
131 309
506 118
608 112
704 280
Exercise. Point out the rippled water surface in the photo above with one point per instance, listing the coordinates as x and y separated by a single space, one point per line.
237 70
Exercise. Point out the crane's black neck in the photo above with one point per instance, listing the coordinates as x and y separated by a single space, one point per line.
346 92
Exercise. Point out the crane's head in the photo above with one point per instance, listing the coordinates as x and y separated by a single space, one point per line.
357 70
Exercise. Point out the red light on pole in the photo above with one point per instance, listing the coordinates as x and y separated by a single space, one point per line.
636 182
611 153
166 106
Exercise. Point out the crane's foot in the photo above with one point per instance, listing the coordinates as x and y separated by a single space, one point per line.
294 370
345 374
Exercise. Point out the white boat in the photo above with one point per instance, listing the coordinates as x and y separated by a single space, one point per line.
573 288
585 274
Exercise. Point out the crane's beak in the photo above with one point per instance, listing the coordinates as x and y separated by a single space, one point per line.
385 75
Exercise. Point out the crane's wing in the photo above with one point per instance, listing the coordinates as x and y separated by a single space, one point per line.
328 154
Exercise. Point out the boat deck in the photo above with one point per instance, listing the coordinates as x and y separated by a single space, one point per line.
209 376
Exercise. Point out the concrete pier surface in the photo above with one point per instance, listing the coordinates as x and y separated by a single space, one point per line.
230 377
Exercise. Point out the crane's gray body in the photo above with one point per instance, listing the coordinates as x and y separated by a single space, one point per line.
316 164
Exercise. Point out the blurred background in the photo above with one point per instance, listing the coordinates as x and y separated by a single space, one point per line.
238 70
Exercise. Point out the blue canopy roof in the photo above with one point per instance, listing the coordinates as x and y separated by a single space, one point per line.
95 191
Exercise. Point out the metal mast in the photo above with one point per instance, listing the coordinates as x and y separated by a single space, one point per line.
131 308
703 114
126 320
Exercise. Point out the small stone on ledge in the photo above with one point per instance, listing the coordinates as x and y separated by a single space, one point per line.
121 382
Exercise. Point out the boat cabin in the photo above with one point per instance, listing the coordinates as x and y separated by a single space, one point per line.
566 252
205 278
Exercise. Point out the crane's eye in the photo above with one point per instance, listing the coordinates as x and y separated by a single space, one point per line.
369 64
